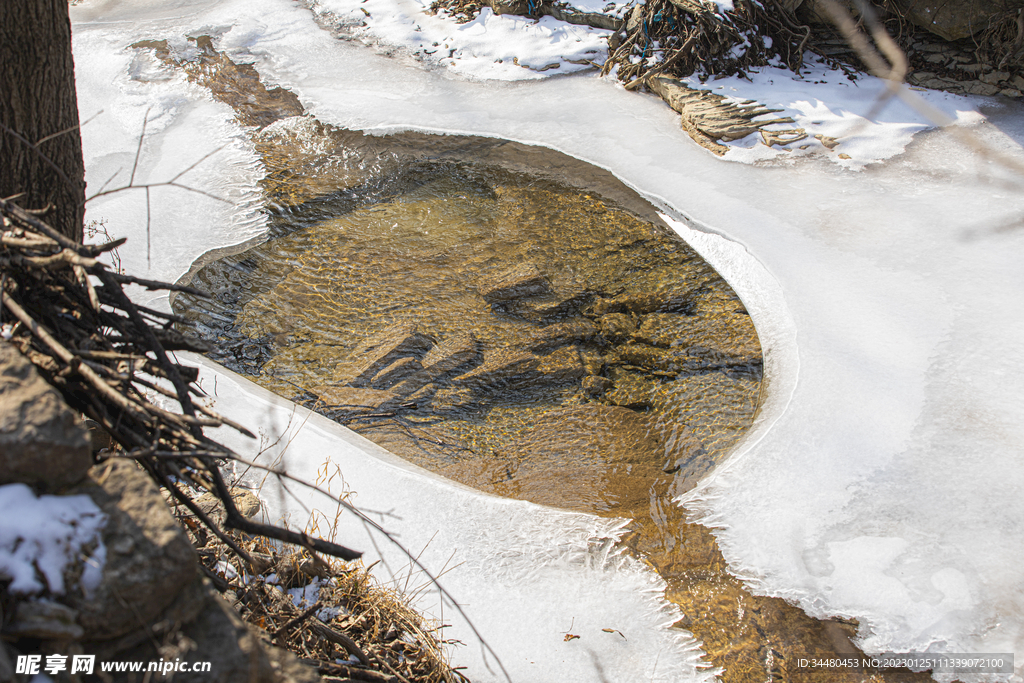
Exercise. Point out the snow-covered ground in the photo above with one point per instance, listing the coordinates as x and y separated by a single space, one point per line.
883 478
40 536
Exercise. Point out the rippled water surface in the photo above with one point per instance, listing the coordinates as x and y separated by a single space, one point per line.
655 339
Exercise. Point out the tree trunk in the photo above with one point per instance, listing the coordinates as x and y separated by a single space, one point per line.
40 144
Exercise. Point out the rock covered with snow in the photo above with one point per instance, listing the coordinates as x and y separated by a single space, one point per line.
43 537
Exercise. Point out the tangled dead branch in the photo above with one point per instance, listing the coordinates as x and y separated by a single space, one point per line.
682 37
1002 43
103 352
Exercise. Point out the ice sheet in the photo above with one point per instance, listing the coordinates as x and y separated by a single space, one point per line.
820 100
882 480
525 575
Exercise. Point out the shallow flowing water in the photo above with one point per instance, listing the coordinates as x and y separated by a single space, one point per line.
628 326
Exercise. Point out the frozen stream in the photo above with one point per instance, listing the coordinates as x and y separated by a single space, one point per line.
883 480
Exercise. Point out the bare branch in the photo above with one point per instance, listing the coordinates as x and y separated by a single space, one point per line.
138 150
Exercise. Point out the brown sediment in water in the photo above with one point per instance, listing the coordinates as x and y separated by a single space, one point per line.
612 413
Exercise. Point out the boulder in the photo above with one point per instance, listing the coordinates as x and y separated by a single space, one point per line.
519 7
148 556
7 669
42 442
44 619
247 503
956 19
218 635
814 12
948 19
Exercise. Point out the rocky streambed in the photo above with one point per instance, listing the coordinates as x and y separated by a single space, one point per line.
476 312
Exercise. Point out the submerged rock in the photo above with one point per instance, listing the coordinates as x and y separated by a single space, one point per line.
595 385
718 407
631 391
452 354
665 300
698 342
561 365
396 372
380 351
561 334
617 327
501 367
566 298
453 399
352 397
520 281
593 361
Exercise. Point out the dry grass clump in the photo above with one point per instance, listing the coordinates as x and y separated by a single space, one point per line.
334 615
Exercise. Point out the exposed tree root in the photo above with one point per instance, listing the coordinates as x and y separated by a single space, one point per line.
708 117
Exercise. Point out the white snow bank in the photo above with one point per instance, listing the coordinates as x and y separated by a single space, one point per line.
41 536
882 480
503 47
868 126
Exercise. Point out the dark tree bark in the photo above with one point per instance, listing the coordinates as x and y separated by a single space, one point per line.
40 144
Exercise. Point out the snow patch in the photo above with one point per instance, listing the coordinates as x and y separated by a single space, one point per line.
41 536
